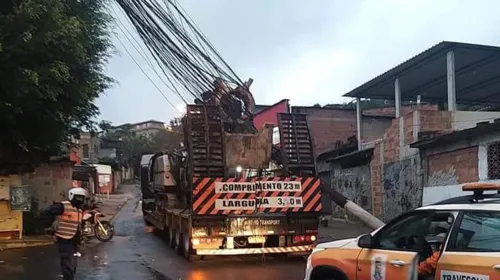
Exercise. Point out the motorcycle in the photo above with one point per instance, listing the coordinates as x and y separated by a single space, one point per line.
92 225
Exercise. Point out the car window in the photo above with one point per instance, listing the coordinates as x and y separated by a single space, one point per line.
395 235
478 232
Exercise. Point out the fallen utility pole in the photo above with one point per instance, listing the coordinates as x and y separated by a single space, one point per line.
351 207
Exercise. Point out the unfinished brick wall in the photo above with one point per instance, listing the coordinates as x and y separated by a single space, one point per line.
391 111
435 120
409 127
376 180
328 125
451 168
391 142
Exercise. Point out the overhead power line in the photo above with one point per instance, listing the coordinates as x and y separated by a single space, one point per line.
147 76
143 54
186 57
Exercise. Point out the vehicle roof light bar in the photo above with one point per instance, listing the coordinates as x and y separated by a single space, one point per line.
479 188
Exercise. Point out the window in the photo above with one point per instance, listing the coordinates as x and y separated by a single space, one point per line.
493 155
478 232
433 228
395 235
85 150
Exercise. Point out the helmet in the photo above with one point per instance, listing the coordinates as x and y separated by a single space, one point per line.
76 192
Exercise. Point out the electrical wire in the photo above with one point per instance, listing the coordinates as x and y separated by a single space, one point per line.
147 76
182 51
122 27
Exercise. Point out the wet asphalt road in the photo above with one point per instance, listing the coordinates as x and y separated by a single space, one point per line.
135 253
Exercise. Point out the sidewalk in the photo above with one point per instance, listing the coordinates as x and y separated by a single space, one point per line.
109 207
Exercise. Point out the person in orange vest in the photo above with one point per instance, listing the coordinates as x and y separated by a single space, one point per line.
428 266
68 219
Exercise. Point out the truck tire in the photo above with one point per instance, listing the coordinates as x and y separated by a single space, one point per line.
178 243
147 223
188 250
171 237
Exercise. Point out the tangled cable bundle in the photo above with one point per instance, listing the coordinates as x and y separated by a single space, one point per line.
189 61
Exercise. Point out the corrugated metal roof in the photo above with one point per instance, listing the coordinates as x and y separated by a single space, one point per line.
477 69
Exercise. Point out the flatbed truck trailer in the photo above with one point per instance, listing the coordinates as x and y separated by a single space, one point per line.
217 199
269 215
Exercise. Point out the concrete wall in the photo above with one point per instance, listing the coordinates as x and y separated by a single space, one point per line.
49 183
468 119
402 189
374 128
355 184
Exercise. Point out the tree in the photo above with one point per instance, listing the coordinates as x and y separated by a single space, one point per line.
105 125
52 57
165 140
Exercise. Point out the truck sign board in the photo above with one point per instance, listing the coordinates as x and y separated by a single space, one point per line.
224 196
259 186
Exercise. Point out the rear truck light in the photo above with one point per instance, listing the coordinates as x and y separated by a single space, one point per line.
304 239
230 242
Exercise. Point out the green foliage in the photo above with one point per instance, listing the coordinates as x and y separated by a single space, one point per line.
134 145
52 57
165 140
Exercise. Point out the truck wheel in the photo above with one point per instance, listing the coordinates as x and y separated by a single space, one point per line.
171 237
178 242
188 250
147 223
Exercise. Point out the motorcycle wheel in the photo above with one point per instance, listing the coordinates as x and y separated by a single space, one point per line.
99 234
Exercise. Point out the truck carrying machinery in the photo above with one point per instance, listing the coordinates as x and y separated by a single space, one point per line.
217 196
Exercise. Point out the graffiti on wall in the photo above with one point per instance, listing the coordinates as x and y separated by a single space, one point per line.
443 177
20 199
402 191
354 183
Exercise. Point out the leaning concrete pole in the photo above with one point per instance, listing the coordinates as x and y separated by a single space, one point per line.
351 207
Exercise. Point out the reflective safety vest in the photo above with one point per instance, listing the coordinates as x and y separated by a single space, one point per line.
68 223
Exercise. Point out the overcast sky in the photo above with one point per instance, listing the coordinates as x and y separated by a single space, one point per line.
307 51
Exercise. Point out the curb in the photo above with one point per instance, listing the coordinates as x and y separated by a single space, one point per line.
18 244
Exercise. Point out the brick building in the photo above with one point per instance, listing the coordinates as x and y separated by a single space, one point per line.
464 156
390 175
